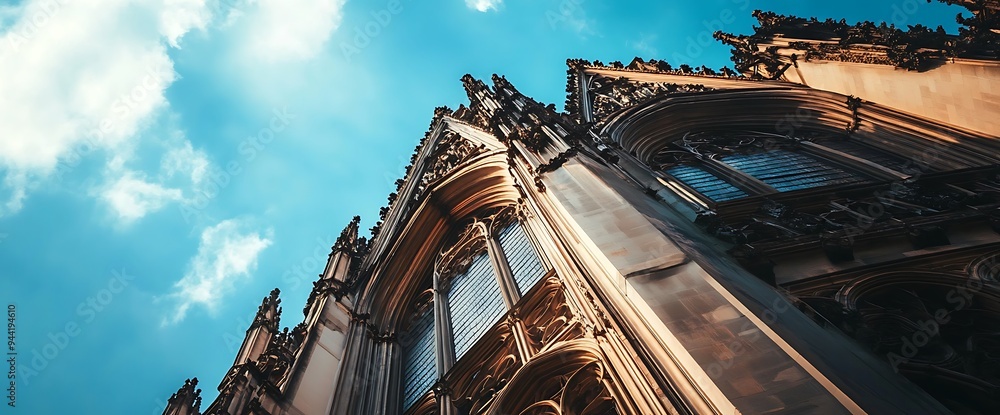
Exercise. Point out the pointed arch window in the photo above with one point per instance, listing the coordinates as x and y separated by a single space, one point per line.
477 278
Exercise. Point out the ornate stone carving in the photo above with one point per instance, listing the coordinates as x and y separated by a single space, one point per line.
548 317
269 312
450 152
749 58
980 33
475 388
278 358
913 49
933 323
575 66
186 401
568 382
612 95
458 256
887 209
348 239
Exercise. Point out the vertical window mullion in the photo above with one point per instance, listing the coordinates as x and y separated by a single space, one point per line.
502 271
443 329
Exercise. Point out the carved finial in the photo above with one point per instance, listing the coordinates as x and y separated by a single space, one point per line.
187 400
442 111
269 312
471 84
500 80
347 242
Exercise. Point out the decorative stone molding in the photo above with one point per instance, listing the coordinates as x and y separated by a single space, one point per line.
612 95
450 152
475 388
758 56
548 317
568 380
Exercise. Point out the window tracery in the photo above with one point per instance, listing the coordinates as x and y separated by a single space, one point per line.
564 382
478 277
475 303
933 321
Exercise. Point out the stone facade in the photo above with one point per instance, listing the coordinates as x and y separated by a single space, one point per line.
808 236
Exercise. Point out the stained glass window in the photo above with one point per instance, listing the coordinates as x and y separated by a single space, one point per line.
786 171
708 184
524 263
419 368
475 303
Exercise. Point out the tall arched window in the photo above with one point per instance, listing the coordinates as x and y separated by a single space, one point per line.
488 267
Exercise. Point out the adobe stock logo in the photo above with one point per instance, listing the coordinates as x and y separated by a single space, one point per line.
363 34
47 10
220 178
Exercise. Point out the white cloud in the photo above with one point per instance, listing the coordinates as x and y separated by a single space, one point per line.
132 197
185 160
571 16
131 194
483 5
274 30
80 76
228 252
177 17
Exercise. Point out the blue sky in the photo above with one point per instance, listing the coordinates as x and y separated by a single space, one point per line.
166 163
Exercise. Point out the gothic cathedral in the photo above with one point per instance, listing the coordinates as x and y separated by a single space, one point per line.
814 232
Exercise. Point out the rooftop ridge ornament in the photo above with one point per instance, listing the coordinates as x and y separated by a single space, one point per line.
637 65
914 48
612 95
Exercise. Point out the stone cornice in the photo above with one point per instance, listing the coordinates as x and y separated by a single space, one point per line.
780 40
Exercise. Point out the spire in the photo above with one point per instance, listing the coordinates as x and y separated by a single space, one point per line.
263 328
347 251
342 264
482 103
269 312
347 242
187 400
475 89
